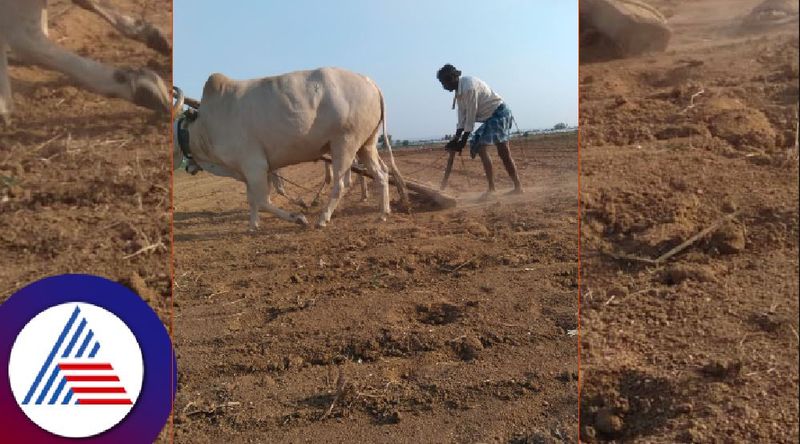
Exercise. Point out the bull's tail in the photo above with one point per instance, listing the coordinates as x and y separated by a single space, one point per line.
401 184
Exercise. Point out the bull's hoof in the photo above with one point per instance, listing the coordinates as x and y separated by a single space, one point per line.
322 223
301 220
383 217
5 120
147 88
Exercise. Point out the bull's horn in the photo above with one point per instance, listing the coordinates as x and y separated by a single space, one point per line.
179 99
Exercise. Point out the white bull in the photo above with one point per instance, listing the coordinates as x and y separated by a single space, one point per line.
23 29
247 129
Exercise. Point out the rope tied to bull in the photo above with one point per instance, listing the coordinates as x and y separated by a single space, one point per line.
183 140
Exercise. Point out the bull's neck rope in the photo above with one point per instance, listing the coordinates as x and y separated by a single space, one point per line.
183 137
183 140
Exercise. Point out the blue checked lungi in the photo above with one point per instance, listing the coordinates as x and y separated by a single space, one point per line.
497 128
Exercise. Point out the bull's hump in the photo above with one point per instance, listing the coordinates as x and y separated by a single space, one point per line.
216 84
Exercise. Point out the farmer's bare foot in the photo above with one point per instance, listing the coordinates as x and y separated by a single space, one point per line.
518 190
486 196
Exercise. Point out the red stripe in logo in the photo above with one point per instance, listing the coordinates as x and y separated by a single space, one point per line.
104 401
98 389
63 366
92 378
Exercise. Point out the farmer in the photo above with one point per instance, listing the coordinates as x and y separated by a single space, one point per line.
478 103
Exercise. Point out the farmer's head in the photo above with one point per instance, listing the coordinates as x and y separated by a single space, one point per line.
448 76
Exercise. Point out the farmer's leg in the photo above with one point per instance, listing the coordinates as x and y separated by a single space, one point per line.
487 166
505 154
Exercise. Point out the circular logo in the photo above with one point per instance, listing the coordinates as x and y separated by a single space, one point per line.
87 359
82 359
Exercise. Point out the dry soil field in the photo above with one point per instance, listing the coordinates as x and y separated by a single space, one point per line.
704 347
84 180
436 326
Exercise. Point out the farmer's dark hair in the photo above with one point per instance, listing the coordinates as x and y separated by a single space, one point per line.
446 71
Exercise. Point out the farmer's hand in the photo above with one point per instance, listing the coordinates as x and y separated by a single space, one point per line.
463 142
453 145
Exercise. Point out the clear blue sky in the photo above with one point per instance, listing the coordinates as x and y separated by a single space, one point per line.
526 50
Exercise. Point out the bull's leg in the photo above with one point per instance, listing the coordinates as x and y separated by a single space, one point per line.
348 178
341 161
368 155
328 172
297 218
140 86
364 192
5 87
257 192
258 188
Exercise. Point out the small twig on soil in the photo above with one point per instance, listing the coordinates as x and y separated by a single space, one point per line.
146 249
627 257
459 266
233 302
186 407
213 409
512 325
217 294
691 100
609 300
664 257
47 142
638 292
686 244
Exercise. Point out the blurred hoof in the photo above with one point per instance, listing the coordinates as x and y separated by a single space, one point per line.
147 88
301 220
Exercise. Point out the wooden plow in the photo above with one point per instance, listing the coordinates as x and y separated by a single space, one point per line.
440 198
